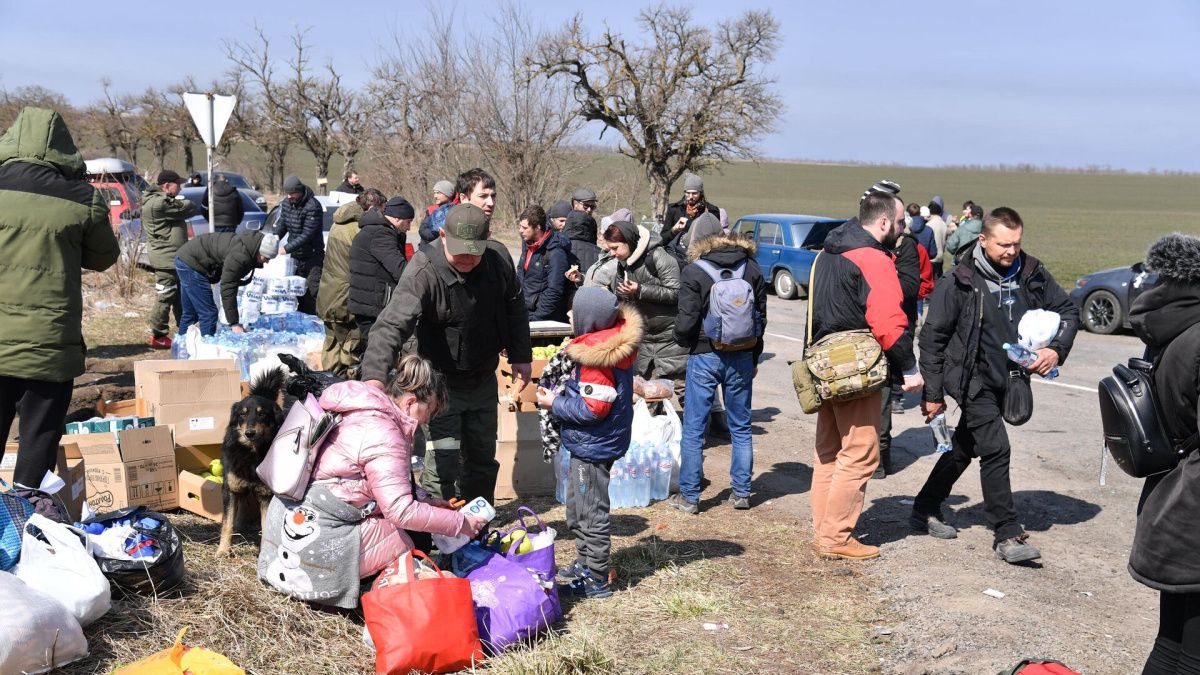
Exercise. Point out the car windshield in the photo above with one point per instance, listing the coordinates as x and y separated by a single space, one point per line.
812 235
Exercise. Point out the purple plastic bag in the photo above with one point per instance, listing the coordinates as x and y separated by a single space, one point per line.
510 604
539 562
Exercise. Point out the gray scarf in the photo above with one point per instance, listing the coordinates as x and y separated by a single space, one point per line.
1002 286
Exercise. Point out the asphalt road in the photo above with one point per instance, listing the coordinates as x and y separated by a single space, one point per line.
1078 605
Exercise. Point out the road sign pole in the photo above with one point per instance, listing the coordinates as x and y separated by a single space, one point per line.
211 134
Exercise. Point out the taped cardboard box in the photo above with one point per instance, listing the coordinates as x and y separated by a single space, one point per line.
69 466
504 380
163 383
136 467
522 471
197 423
196 493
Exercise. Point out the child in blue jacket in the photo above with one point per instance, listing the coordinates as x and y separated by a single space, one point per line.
596 411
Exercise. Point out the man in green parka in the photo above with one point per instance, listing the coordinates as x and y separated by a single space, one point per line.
53 224
164 219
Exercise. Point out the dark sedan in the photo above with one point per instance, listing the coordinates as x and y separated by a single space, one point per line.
1104 297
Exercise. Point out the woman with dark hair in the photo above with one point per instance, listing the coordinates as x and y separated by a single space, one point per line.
648 276
1166 544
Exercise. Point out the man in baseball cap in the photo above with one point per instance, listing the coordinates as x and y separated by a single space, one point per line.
462 301
164 220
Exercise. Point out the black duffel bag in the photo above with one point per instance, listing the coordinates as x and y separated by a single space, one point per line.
138 576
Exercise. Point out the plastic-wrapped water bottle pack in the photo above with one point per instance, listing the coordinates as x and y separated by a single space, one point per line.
293 333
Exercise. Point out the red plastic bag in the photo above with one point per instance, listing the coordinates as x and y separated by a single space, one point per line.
1040 667
424 624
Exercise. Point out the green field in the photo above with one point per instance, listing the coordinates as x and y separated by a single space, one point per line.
1075 222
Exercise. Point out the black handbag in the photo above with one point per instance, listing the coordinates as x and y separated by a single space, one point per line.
1018 398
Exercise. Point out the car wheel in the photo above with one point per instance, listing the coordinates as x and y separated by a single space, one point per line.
785 285
1102 313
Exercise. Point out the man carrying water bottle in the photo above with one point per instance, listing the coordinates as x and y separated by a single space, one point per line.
973 312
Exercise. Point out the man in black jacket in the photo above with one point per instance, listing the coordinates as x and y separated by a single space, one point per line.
461 299
351 184
301 218
682 214
733 370
542 269
975 310
377 260
908 270
219 257
228 209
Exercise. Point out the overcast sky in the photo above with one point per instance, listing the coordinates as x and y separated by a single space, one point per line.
1062 83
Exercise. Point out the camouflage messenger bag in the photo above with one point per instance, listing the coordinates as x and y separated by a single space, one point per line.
841 366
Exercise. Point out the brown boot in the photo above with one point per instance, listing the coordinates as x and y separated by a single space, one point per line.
853 549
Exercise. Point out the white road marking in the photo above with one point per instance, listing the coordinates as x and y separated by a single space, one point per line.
1090 390
785 337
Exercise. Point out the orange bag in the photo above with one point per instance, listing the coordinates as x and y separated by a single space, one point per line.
424 624
181 660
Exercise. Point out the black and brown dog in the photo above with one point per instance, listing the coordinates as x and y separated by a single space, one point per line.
253 423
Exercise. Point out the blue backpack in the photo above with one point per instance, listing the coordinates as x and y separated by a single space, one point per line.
732 322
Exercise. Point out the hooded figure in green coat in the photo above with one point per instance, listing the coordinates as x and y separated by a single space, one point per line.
53 224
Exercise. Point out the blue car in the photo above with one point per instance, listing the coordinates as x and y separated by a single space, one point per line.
1104 297
787 246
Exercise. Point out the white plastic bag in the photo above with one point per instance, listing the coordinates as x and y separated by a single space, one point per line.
1038 328
37 634
63 569
659 430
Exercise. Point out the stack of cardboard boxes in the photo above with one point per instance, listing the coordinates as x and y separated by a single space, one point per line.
519 440
194 398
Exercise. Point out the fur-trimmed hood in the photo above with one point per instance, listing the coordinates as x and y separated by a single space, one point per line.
710 244
609 347
1176 257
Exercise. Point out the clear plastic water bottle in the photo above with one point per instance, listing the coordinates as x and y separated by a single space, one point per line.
943 433
645 477
1026 357
562 474
661 481
614 485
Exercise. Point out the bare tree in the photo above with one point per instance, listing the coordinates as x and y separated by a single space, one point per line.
157 123
11 103
262 113
519 122
418 135
113 118
183 125
689 98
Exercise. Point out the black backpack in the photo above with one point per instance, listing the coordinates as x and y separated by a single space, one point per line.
1133 429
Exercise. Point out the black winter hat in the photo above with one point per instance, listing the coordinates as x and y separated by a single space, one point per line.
398 207
168 176
1176 257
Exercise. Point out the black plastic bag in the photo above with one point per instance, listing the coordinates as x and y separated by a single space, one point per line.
1018 398
305 380
138 576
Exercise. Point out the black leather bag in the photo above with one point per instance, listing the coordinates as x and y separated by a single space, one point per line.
1133 430
1018 398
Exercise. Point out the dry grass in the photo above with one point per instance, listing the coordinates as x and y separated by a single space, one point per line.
787 612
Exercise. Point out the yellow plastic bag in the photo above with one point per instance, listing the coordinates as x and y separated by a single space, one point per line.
182 660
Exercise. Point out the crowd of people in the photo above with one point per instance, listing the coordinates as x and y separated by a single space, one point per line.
418 333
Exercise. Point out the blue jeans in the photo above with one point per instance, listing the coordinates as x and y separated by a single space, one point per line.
734 372
197 298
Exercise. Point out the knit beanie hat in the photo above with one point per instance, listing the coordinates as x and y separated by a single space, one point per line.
269 247
445 187
621 214
292 184
560 209
885 186
693 182
705 226
594 309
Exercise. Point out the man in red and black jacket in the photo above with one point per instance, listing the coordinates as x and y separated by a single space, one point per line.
856 287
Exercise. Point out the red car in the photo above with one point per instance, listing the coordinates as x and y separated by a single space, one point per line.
120 184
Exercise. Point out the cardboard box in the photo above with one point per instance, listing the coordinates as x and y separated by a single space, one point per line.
69 466
517 425
135 468
522 471
192 397
117 408
199 423
197 494
504 380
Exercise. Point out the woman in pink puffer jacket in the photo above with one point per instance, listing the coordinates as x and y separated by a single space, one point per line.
368 458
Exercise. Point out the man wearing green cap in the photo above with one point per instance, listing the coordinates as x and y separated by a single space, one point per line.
461 299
